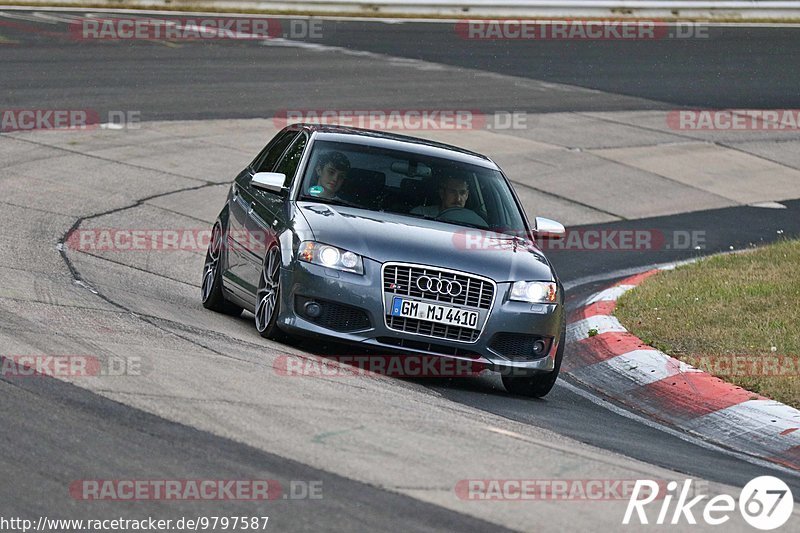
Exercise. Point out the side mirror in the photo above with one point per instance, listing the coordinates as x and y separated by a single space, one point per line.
549 229
269 181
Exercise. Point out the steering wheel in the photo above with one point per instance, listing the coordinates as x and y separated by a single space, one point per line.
462 214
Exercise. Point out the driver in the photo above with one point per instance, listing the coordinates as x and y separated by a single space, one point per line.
453 192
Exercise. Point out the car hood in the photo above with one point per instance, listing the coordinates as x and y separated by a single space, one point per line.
390 237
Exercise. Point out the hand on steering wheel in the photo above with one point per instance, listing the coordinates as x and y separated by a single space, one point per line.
463 215
450 209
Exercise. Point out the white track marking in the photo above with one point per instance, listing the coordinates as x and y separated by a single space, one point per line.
602 323
673 432
611 294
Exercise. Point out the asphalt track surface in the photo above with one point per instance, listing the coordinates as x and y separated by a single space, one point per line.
731 68
73 430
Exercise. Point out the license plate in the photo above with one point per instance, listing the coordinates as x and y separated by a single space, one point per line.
441 314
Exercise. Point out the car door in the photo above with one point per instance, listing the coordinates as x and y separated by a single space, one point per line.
269 213
242 201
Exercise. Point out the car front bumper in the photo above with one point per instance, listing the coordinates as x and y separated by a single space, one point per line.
365 292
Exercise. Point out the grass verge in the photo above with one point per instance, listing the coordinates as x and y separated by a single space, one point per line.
734 316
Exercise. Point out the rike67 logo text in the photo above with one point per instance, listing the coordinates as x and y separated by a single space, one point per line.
765 503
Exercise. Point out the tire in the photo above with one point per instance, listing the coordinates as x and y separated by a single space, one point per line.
211 286
539 385
268 297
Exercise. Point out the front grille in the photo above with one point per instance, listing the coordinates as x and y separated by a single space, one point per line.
335 316
401 280
432 329
477 292
517 346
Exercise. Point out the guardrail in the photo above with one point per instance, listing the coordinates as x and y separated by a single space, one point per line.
711 9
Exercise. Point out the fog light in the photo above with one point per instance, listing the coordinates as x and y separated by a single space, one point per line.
312 309
539 346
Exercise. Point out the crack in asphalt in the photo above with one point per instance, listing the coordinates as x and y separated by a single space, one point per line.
55 304
168 210
78 278
63 248
38 209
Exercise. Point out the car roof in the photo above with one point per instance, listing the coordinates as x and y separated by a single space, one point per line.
398 142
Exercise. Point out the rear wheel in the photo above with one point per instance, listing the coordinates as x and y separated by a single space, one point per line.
211 288
268 297
537 386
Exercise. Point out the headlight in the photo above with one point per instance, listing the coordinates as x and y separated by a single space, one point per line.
330 256
534 291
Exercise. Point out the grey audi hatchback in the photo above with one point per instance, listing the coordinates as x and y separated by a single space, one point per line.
393 243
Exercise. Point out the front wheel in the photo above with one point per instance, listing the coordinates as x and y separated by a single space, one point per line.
539 385
268 297
211 289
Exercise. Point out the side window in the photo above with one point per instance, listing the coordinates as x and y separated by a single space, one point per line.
266 160
288 164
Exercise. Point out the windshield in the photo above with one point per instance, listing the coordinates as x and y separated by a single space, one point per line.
410 184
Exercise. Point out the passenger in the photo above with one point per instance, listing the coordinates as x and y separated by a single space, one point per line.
330 173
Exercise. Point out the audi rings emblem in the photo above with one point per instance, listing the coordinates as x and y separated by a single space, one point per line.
445 287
